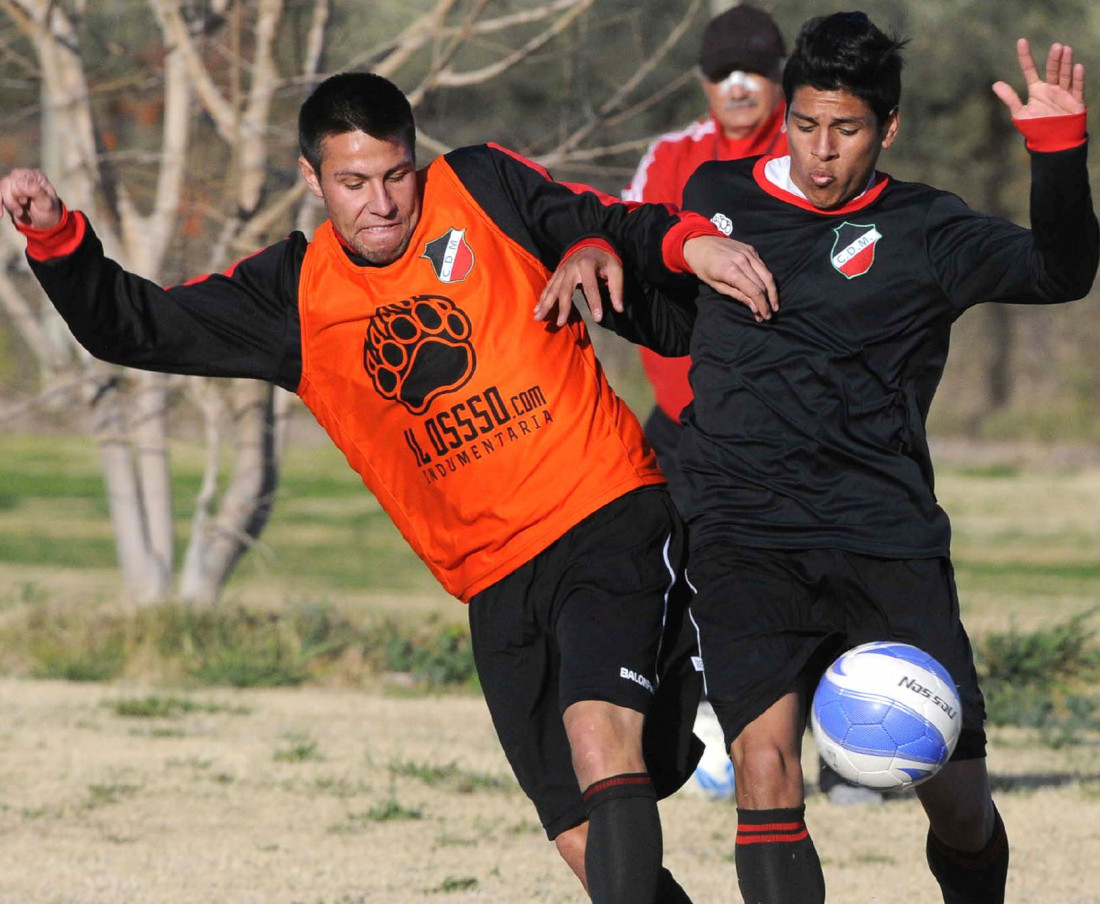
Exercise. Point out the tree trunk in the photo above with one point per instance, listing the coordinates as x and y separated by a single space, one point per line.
258 416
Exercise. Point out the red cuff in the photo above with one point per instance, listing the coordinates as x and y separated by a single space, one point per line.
690 226
593 242
1053 133
63 239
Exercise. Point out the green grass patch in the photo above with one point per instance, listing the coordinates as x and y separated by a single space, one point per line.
154 706
236 647
390 810
300 748
450 776
453 884
326 528
1044 679
103 795
43 549
1023 570
991 471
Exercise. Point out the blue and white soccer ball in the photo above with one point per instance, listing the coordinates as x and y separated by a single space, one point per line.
886 715
713 777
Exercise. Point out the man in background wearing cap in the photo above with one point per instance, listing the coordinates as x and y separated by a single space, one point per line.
740 68
740 65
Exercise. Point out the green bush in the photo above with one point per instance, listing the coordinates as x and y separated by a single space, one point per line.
1043 679
236 646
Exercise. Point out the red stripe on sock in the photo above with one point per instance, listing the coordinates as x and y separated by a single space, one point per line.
774 838
616 781
771 827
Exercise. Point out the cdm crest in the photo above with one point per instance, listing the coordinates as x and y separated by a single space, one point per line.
854 249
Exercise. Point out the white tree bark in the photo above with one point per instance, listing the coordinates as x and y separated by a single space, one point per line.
232 73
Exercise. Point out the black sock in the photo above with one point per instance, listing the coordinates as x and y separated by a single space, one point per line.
669 890
971 877
622 859
776 859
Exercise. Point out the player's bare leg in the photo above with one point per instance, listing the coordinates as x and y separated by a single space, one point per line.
623 849
776 859
767 757
967 846
571 844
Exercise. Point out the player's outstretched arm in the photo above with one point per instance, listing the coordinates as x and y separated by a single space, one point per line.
729 267
30 199
1059 91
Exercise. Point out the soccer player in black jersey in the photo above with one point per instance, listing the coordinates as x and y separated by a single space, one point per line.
814 523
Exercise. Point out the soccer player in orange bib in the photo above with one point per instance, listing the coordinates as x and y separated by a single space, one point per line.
492 440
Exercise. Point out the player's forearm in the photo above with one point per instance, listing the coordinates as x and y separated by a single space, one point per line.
124 319
659 319
1063 222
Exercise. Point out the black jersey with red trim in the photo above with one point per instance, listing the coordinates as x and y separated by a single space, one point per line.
808 430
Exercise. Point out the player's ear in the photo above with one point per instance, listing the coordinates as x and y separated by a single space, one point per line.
312 177
890 127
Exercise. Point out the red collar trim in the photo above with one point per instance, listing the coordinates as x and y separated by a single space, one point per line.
867 198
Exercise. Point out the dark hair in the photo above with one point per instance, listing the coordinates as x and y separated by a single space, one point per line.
354 102
845 51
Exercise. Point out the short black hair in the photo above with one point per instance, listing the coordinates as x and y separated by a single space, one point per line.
846 51
354 102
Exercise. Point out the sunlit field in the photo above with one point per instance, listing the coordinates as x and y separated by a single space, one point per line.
359 786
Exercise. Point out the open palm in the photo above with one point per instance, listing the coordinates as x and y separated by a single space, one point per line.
1061 92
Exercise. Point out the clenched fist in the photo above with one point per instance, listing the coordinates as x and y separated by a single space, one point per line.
30 198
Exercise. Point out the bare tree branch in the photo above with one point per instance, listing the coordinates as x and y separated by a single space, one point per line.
315 39
616 100
451 79
423 30
414 37
26 323
178 37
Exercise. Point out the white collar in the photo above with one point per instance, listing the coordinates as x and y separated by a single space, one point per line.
778 172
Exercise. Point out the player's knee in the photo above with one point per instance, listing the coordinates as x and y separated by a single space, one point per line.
604 739
962 823
767 775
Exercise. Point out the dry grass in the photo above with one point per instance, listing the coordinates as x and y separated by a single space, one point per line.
338 797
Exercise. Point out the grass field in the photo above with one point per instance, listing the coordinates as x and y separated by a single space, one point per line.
149 789
1026 538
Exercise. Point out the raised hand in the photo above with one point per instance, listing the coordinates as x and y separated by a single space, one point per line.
1061 92
30 199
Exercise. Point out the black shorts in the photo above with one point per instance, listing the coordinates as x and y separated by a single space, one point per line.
771 620
599 615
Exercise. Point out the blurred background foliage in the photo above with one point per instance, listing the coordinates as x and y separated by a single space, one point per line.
1014 372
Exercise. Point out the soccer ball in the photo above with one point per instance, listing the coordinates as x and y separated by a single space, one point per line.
886 715
713 777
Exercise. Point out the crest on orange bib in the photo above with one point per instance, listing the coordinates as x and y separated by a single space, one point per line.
450 255
854 249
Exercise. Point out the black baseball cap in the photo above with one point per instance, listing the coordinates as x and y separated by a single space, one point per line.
743 37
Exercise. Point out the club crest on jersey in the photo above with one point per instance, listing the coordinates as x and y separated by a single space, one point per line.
418 349
854 249
450 255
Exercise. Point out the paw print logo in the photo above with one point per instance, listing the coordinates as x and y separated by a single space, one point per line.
724 223
418 349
